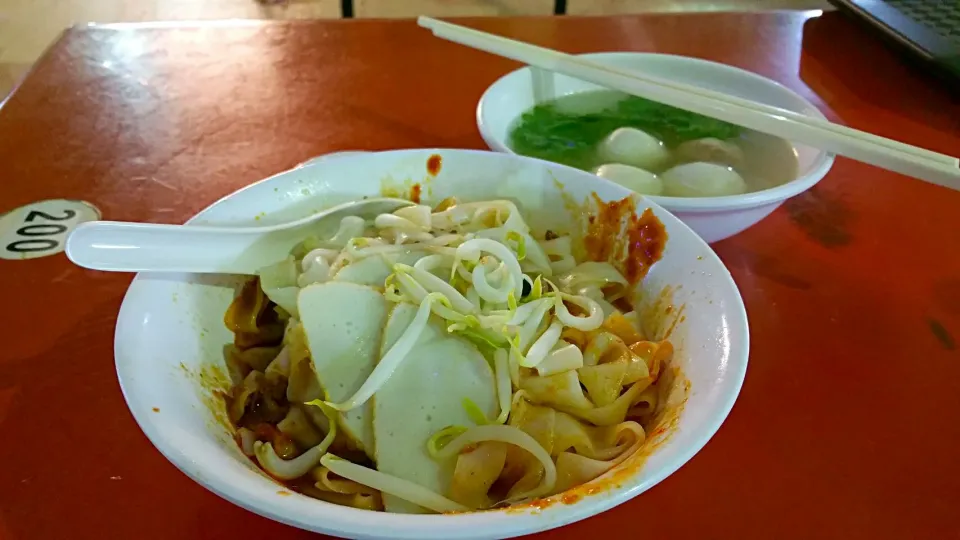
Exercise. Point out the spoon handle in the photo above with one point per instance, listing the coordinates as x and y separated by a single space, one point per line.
137 247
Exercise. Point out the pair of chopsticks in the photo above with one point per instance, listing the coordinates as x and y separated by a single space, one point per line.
879 151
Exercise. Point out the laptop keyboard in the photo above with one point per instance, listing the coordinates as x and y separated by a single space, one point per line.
939 16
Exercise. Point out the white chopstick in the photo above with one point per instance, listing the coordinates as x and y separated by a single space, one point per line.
886 153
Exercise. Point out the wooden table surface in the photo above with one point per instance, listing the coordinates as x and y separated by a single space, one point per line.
848 425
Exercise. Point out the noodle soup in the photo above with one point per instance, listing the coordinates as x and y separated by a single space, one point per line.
652 148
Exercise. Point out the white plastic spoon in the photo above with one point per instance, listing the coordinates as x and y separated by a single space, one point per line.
118 246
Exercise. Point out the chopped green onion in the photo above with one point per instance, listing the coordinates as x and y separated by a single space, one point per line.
515 348
474 412
521 244
537 290
482 339
442 438
391 291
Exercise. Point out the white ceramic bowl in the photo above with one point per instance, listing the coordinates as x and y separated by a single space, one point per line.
713 218
170 334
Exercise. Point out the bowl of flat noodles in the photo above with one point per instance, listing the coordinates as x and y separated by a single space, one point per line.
521 346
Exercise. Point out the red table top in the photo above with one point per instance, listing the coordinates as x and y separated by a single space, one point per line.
848 424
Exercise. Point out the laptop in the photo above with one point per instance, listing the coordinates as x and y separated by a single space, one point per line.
925 29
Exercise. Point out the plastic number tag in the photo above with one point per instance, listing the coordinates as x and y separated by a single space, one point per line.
40 229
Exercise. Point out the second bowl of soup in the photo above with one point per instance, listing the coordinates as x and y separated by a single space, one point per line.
717 177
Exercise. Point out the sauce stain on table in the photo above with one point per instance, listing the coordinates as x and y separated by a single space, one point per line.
764 266
824 218
942 334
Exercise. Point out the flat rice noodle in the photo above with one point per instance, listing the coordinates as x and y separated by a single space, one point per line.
475 473
243 394
303 386
562 391
536 421
575 469
258 358
280 365
636 369
655 354
246 308
252 319
296 341
596 274
514 437
522 472
302 383
256 400
603 381
558 431
236 369
575 336
589 441
604 347
424 395
268 334
615 412
621 327
645 404
298 426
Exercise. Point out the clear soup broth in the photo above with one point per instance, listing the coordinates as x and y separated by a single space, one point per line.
652 148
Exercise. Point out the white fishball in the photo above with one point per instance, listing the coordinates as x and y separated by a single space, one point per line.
633 147
711 150
702 179
632 178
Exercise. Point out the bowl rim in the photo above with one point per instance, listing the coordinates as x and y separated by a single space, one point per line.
819 168
473 525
